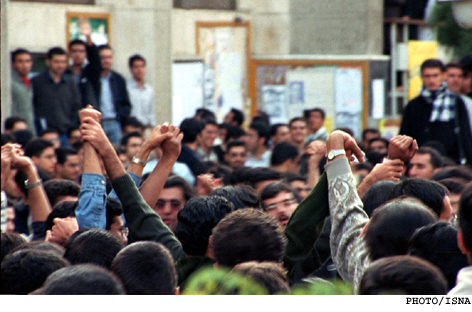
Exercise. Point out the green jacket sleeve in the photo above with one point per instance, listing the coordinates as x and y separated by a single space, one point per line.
143 223
305 224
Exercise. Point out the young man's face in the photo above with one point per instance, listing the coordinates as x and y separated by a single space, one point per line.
23 64
280 207
454 79
421 167
78 54
71 169
236 156
298 131
170 201
57 64
208 135
432 78
282 135
133 146
315 121
252 140
46 161
106 56
379 147
138 70
53 137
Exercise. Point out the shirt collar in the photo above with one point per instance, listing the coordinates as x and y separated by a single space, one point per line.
49 78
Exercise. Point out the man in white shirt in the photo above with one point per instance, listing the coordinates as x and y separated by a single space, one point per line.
141 94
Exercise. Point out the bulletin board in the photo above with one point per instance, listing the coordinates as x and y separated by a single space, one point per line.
283 88
225 48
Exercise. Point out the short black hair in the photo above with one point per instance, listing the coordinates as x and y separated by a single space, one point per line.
127 136
238 116
77 42
146 268
242 196
62 210
455 65
433 63
191 128
55 51
233 144
377 195
113 209
104 47
9 242
196 221
234 132
260 174
465 215
10 122
17 52
177 181
282 152
435 156
273 189
275 127
63 152
262 131
57 188
295 119
369 130
135 57
307 112
36 147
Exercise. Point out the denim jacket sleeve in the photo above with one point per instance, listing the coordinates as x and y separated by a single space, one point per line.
91 209
136 179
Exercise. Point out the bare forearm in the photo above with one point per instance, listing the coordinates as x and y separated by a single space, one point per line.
91 159
152 187
37 199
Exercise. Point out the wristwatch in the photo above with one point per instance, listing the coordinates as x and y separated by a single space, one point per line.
138 161
333 153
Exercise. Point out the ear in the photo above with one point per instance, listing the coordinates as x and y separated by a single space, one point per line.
461 243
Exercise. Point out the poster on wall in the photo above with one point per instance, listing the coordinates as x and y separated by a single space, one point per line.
187 89
274 103
98 22
418 52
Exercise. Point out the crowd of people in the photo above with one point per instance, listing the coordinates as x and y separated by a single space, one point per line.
99 199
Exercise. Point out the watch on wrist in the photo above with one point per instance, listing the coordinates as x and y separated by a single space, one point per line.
32 185
138 161
333 153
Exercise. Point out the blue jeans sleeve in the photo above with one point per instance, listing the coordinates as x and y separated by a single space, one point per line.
91 209
136 179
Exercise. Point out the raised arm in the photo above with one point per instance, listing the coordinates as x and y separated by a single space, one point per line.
316 150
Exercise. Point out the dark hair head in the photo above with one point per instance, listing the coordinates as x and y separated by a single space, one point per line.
261 117
233 144
282 152
369 130
437 243
63 152
62 210
7 138
55 51
240 175
191 128
58 188
42 245
377 195
248 234
238 116
204 115
295 120
455 65
26 270
392 225
435 156
275 127
10 122
93 246
234 133
289 177
462 171
433 63
262 131
404 275
134 58
82 279
242 196
273 189
77 42
465 216
17 52
104 47
133 122
454 185
197 219
9 242
177 181
35 147
146 268
431 193
260 174
268 274
22 137
307 112
113 209
127 136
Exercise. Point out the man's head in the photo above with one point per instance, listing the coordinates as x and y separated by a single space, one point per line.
454 77
208 135
106 57
173 197
432 74
268 274
279 201
115 224
22 62
68 164
297 129
197 219
56 60
234 117
132 124
191 128
315 119
42 154
426 162
137 66
464 236
59 190
402 275
279 133
379 145
367 135
236 154
285 157
51 135
246 235
298 183
131 142
146 268
260 177
242 196
14 123
77 52
257 137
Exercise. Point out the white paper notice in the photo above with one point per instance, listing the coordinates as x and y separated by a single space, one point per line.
348 90
378 98
273 103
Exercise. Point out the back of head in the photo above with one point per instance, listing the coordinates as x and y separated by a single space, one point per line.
113 209
62 210
437 243
190 127
259 174
9 242
462 171
146 268
431 193
465 217
282 152
42 245
196 221
238 116
242 196
268 274
392 225
234 133
262 131
402 275
26 270
83 279
57 188
248 235
93 246
377 195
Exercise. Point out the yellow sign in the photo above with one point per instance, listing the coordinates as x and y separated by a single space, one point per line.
418 52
